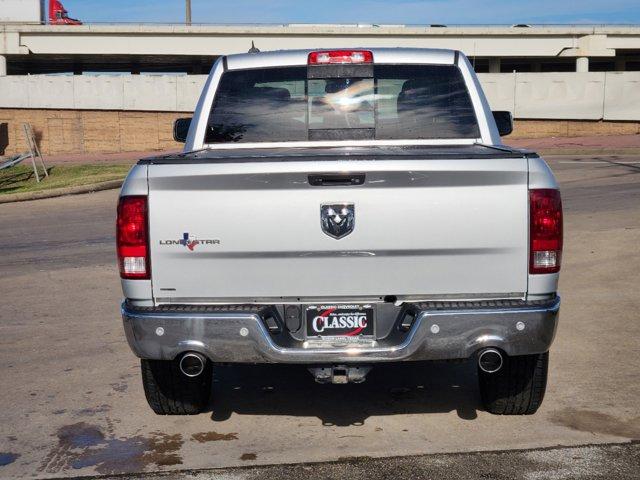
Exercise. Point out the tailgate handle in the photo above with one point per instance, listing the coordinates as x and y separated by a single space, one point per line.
336 179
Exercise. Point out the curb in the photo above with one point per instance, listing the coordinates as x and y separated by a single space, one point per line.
59 192
588 151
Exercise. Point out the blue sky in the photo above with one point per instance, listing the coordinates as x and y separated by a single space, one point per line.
359 11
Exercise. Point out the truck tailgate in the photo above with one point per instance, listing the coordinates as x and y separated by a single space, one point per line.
239 231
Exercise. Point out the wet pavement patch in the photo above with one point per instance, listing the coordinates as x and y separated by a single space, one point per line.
248 456
163 449
7 457
83 445
204 437
80 435
597 422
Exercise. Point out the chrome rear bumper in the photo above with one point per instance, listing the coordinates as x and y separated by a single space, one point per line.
237 336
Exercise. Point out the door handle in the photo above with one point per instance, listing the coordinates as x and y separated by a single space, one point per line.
336 179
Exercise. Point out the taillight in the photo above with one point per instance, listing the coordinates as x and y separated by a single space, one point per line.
132 237
545 230
340 56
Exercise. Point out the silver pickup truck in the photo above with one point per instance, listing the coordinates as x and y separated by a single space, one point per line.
337 209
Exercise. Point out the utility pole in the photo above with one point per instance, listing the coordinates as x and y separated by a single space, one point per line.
188 13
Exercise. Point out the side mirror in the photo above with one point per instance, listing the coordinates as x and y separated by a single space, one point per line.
504 122
181 129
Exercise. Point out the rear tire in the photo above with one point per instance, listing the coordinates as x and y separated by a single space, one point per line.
170 392
518 387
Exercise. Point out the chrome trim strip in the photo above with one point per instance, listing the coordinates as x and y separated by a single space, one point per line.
400 299
357 253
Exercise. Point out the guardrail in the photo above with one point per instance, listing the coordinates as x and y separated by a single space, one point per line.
553 96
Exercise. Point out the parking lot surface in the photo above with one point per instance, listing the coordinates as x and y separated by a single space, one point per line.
73 403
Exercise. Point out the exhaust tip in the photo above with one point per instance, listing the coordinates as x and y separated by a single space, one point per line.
192 364
490 360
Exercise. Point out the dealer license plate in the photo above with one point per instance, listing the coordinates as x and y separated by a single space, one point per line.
340 321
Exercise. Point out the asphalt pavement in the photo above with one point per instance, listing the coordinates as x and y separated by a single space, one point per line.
73 403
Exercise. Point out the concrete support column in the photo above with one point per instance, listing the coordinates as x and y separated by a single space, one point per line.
582 64
494 65
3 65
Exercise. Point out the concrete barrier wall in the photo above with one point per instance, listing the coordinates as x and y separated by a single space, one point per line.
622 96
159 93
558 96
553 96
109 131
110 113
565 96
500 89
580 96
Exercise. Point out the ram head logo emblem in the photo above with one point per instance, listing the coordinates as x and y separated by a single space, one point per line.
338 219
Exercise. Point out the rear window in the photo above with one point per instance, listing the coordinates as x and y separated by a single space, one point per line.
397 102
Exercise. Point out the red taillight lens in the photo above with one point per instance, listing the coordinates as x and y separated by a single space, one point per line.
545 230
132 237
340 56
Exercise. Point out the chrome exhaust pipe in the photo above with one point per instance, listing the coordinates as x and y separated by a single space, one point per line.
192 364
490 360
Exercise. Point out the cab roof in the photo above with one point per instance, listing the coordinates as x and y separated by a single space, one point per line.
280 58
